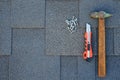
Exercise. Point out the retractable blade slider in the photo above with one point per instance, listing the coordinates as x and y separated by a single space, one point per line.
87 55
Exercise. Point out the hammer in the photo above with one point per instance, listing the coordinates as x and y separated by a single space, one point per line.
101 15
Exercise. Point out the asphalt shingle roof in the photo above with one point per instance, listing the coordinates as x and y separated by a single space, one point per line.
34 35
28 61
28 14
5 28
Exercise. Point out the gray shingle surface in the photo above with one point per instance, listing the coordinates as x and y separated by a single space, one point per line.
59 41
109 41
5 28
28 13
29 47
117 41
111 6
4 67
113 68
94 41
69 68
86 70
28 60
4 0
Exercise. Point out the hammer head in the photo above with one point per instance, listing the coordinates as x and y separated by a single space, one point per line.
100 14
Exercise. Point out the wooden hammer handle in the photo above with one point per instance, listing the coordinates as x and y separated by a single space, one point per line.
101 49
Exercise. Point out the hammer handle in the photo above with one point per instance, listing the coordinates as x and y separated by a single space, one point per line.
101 49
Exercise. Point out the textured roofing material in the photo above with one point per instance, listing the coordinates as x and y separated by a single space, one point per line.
5 28
28 60
39 33
28 13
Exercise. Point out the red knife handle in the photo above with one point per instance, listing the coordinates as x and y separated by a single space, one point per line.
88 47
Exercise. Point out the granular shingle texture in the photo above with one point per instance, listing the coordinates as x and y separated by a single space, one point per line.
86 70
116 41
5 28
28 13
41 47
4 67
59 41
109 41
28 60
69 68
94 41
